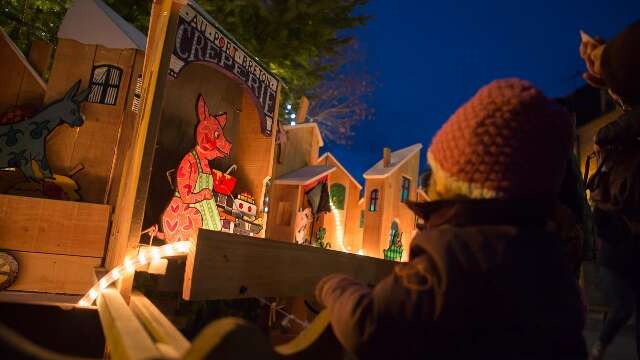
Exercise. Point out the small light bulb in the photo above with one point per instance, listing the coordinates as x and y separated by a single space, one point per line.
293 123
103 283
128 265
155 254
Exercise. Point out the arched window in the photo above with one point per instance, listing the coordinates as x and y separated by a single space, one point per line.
105 83
406 185
393 235
337 193
373 200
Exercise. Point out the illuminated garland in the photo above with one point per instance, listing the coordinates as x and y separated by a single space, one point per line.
145 256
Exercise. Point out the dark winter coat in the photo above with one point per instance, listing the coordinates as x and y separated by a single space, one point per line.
485 280
616 194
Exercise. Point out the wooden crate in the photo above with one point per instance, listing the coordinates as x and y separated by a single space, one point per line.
57 243
227 266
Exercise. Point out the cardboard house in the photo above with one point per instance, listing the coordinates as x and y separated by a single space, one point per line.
388 184
105 52
342 224
296 171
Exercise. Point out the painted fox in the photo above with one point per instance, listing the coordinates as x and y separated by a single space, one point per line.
193 206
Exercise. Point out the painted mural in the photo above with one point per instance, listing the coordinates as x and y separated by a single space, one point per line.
23 137
204 197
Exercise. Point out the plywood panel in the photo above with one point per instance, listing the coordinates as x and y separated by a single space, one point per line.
73 61
94 143
223 266
253 150
127 131
54 273
53 226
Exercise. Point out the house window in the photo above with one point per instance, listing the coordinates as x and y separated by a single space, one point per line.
373 200
137 95
404 193
105 82
337 194
361 219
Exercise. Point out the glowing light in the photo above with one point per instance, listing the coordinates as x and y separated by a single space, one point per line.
288 106
339 227
293 123
104 282
360 252
293 116
128 265
115 274
156 253
93 293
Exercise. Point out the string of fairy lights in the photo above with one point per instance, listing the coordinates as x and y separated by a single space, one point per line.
146 255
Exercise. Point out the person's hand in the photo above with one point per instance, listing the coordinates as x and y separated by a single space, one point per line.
207 194
591 52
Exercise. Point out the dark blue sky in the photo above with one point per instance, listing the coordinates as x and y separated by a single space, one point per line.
430 57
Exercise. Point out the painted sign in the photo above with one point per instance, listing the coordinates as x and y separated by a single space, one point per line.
200 40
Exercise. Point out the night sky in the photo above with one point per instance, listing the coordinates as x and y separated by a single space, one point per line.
430 57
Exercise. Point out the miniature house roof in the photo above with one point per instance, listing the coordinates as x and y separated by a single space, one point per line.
23 60
330 155
398 158
93 22
313 125
305 175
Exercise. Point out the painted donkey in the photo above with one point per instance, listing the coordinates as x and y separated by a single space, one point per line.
193 206
25 141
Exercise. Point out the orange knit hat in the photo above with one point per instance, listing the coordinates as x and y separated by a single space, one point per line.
508 141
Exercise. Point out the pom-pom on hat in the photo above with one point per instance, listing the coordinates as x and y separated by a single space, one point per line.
508 141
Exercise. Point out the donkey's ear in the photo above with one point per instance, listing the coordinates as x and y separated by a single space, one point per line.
82 95
201 108
72 91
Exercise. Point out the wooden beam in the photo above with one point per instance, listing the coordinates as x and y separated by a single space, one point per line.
158 325
226 266
132 192
23 297
124 335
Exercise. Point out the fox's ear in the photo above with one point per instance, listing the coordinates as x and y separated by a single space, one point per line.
201 108
82 96
222 119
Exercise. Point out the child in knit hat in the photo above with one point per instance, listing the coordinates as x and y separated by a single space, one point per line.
486 277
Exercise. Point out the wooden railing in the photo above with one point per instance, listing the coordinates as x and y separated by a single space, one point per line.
140 331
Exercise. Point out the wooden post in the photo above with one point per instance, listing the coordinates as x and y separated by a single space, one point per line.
40 56
127 222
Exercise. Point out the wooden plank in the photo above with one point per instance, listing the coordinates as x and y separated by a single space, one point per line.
51 273
226 266
53 226
35 298
160 328
125 336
